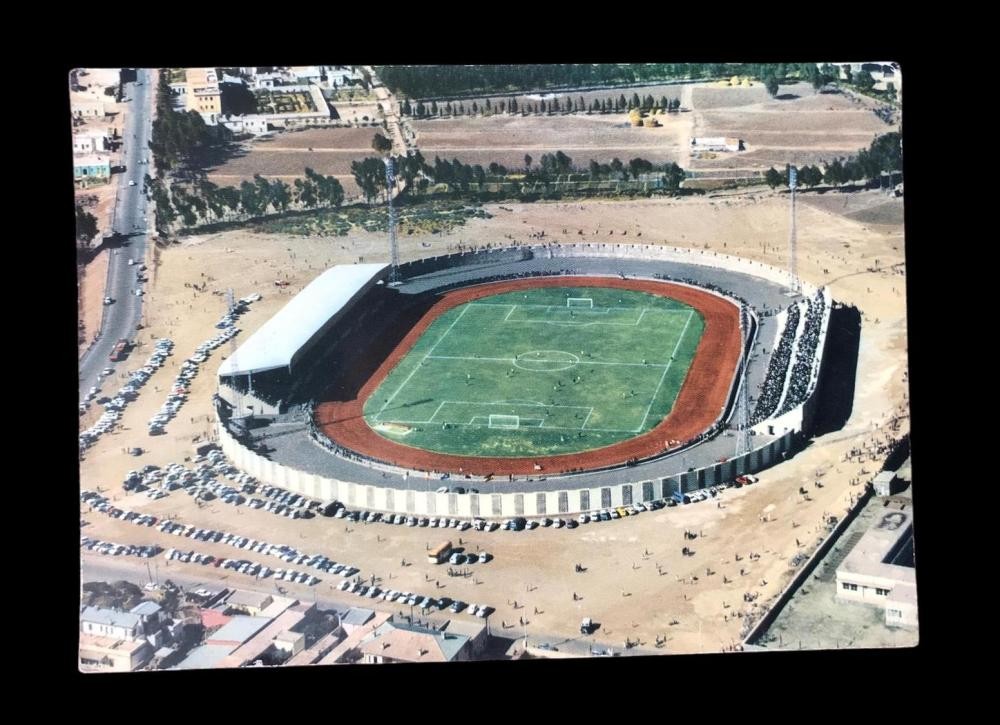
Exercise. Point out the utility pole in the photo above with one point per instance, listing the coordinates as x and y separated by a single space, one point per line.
390 183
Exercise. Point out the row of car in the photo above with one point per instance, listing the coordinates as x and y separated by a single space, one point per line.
413 600
100 503
189 368
114 407
242 566
109 548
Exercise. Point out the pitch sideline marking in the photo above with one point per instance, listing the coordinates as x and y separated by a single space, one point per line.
665 371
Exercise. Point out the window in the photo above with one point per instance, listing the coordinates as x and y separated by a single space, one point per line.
895 614
881 592
850 587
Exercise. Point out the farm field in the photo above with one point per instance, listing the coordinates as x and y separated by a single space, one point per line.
800 126
286 155
506 139
543 372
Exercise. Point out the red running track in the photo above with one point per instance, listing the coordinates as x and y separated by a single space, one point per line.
697 407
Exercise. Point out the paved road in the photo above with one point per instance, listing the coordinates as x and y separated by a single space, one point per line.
121 317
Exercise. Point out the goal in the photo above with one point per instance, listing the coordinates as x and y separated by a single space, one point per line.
505 421
580 302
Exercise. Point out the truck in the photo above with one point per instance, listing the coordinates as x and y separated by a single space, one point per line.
587 625
119 351
439 553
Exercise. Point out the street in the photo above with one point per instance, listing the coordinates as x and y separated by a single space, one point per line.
121 317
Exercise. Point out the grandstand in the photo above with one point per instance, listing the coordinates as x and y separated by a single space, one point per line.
260 377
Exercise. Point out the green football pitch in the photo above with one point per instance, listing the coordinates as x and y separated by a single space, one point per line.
544 372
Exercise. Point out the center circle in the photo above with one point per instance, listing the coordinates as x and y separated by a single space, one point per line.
546 361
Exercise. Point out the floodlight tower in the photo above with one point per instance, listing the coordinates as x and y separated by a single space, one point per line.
793 274
390 184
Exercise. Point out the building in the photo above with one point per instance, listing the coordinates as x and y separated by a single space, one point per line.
101 622
91 167
306 73
237 631
716 143
89 142
87 105
312 108
885 483
879 569
474 630
290 641
356 618
203 657
401 642
99 653
203 93
251 602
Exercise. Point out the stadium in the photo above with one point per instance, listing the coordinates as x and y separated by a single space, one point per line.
528 380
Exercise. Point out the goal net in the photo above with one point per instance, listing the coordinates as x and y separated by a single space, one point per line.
580 302
505 421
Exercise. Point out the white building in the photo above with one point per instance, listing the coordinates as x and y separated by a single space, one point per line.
869 576
89 142
110 623
716 143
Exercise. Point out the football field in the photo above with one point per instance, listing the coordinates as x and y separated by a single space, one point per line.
544 372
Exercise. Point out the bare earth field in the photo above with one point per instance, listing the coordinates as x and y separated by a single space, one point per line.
637 583
506 139
285 156
800 126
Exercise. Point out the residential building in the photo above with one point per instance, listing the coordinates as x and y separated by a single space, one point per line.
237 631
253 603
355 618
101 622
89 142
87 105
99 653
305 74
402 642
91 167
879 569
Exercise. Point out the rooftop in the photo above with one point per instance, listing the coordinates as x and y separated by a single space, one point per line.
109 617
410 643
207 655
243 598
145 609
238 629
91 160
96 642
879 543
274 345
357 616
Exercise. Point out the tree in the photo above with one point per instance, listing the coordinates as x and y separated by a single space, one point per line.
527 162
834 175
890 90
86 225
434 108
864 81
405 108
381 144
771 84
772 177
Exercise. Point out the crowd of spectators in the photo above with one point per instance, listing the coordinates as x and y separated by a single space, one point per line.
802 370
774 382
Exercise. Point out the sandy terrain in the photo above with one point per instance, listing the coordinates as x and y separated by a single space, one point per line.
621 588
91 298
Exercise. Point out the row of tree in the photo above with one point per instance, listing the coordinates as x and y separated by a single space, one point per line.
428 81
183 138
206 202
884 155
556 105
369 173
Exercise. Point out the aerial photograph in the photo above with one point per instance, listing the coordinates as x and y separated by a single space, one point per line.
444 363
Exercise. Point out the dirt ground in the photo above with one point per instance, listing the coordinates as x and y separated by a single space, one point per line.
800 126
91 298
506 139
634 583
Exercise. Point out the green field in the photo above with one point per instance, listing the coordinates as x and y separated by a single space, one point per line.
543 372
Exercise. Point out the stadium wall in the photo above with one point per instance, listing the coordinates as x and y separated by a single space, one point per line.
508 504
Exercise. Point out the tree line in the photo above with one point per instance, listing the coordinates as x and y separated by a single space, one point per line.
369 173
425 81
182 137
511 107
884 155
205 202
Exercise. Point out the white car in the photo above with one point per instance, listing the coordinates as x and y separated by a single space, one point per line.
131 183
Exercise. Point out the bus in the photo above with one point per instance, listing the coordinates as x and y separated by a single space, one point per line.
439 553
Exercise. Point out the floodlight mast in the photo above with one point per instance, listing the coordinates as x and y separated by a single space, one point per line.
390 185
793 274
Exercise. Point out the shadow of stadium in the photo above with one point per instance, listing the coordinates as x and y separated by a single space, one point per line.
836 390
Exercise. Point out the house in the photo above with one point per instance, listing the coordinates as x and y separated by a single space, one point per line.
356 618
110 623
403 642
290 641
87 105
98 653
150 614
89 142
267 80
237 631
306 74
251 602
91 167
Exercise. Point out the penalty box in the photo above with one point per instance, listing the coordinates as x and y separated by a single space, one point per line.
512 415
